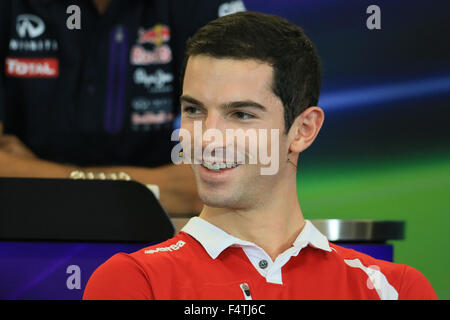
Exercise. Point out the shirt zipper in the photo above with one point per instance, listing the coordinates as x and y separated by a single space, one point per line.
246 291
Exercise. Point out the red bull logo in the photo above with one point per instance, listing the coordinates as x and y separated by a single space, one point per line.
156 35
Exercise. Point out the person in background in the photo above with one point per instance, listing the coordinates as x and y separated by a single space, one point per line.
99 98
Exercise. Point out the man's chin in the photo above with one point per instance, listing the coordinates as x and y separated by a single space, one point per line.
218 200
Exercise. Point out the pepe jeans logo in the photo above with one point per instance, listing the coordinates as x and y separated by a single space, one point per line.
155 82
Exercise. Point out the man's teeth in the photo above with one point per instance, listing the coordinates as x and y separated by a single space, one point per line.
219 166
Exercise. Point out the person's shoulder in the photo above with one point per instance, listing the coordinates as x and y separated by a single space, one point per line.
128 276
415 286
407 281
120 277
172 251
348 254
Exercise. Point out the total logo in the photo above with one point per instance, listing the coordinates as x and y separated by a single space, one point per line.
32 67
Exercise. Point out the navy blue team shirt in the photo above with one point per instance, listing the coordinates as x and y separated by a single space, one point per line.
105 94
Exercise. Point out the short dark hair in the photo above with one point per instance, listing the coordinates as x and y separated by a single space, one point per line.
270 39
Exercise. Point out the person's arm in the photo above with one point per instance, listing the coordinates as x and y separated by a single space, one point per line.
177 186
178 193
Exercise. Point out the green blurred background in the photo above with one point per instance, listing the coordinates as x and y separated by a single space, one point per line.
411 190
383 152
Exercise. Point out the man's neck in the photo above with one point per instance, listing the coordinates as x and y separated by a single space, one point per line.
274 227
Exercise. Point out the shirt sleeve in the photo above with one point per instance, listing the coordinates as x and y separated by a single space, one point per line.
119 278
415 286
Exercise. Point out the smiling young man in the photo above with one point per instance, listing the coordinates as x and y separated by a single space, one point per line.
251 71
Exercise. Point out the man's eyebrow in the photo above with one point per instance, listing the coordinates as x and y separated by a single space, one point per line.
189 99
243 104
228 105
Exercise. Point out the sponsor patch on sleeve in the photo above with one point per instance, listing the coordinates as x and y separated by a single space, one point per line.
172 247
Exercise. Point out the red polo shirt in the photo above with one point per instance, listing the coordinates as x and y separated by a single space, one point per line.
204 262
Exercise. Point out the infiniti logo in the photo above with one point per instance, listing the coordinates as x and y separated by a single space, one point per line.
29 24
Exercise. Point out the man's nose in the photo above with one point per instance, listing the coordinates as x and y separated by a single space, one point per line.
212 121
213 131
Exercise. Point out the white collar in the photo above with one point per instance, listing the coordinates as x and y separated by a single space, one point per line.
215 240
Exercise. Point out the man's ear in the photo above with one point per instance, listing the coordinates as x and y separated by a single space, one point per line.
305 129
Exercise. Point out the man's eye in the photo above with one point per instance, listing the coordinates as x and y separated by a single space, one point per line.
243 115
191 110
